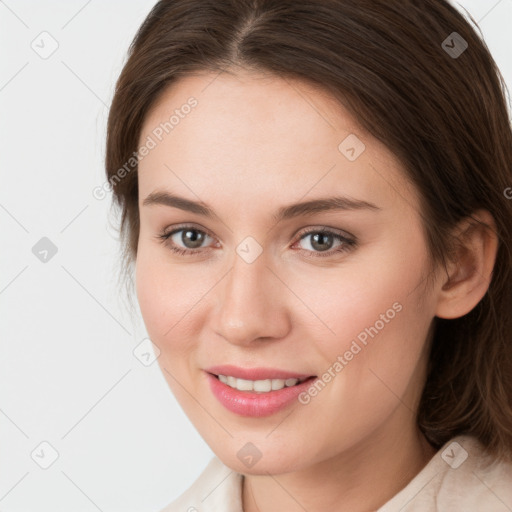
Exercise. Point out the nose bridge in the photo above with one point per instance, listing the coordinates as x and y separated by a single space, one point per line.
251 305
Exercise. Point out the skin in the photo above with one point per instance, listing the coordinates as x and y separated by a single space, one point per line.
254 143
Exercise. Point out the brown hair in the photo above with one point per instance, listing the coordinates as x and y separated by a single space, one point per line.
444 116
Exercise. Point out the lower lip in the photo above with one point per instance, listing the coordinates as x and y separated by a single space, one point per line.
250 403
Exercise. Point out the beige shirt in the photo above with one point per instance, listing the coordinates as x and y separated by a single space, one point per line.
454 480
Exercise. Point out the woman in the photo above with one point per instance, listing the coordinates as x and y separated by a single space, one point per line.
314 200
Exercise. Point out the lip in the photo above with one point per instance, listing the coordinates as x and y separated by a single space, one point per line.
251 403
255 373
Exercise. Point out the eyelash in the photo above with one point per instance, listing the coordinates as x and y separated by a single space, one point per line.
347 244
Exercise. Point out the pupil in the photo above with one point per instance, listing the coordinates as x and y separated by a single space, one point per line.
319 241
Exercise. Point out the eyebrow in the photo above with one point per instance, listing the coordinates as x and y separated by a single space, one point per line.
334 203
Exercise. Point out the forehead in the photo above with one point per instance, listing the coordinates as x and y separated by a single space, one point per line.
256 137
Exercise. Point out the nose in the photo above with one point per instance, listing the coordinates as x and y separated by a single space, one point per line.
252 303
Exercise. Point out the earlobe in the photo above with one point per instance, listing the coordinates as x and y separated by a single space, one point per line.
470 269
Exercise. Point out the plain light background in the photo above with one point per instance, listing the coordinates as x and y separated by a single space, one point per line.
68 373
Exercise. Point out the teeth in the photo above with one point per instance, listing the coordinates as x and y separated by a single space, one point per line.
260 386
263 385
244 385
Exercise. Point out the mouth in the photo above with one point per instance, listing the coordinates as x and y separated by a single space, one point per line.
258 396
262 385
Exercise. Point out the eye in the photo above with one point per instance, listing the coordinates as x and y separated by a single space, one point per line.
322 241
188 240
190 237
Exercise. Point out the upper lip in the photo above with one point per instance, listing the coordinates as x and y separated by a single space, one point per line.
255 373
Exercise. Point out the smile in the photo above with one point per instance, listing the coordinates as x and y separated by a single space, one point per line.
259 386
256 398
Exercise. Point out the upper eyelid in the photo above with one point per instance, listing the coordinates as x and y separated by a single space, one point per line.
320 228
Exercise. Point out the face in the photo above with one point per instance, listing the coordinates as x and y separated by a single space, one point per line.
333 293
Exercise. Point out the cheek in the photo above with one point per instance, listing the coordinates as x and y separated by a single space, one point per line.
378 319
149 293
169 297
376 295
161 295
381 318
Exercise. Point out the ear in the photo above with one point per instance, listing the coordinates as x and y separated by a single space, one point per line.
470 268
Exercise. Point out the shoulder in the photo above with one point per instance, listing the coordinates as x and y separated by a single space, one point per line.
483 483
460 476
218 487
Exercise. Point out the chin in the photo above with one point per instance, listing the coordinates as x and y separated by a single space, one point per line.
246 458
